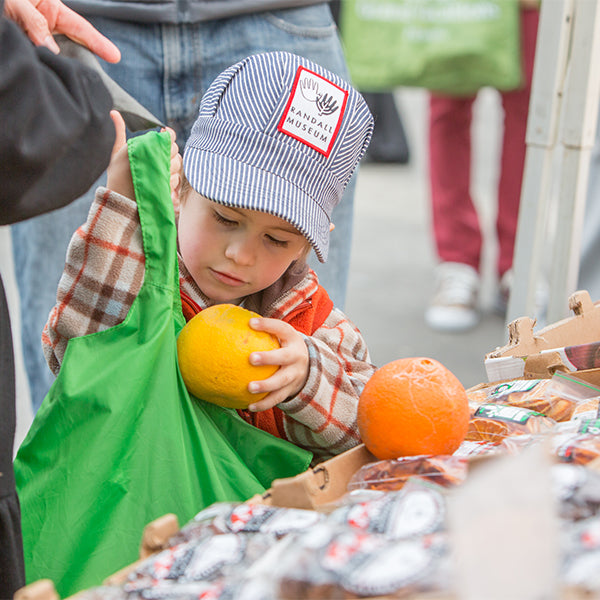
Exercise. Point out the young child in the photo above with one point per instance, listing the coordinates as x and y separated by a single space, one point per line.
274 146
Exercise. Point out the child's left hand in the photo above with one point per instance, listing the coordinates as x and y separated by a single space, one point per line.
119 172
292 359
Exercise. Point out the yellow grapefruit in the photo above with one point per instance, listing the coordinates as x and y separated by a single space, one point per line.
213 351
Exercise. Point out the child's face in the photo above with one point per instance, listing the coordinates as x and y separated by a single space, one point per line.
234 252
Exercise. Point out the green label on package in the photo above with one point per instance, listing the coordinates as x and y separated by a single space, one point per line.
511 387
505 413
590 426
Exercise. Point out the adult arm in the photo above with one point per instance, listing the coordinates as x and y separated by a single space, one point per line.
56 136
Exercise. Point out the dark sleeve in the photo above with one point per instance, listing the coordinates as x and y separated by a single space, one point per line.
56 134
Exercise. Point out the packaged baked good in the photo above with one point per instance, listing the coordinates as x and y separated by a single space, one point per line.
557 397
513 444
587 409
494 422
471 448
577 490
581 556
392 474
342 562
105 592
418 509
244 517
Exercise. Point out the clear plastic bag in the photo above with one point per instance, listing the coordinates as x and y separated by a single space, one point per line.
418 509
392 474
493 422
557 398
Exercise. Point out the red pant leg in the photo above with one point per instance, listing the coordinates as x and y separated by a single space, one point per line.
516 107
455 221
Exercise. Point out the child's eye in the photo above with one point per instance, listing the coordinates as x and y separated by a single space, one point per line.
276 242
221 219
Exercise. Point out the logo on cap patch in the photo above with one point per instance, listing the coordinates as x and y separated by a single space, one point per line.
314 112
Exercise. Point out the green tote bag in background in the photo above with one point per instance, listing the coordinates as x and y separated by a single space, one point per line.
454 47
118 441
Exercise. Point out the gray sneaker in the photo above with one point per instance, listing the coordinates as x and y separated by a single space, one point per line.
454 307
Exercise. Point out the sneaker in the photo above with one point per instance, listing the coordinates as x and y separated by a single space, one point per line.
454 304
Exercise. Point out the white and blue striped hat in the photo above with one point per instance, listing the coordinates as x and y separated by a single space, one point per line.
280 134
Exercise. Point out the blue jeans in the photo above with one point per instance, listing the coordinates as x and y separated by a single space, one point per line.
168 68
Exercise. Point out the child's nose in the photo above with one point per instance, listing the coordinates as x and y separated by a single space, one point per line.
241 250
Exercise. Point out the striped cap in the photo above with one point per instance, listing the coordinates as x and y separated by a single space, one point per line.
279 134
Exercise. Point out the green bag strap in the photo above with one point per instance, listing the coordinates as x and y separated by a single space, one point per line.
149 158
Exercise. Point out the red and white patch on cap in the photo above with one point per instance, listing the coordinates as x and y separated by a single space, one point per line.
314 111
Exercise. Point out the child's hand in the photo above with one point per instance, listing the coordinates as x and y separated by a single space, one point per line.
118 172
292 359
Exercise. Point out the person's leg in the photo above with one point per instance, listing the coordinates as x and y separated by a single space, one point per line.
455 222
456 230
516 108
389 143
39 244
311 32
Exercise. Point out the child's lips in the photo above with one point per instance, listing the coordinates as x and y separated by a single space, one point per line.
228 279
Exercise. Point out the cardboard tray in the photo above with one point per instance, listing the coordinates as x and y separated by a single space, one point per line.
321 485
535 349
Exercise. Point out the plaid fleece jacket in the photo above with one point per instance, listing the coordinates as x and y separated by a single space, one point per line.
104 272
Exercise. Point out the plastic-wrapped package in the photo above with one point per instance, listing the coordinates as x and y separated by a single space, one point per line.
577 490
494 422
581 555
471 448
336 562
260 518
557 398
392 474
587 409
106 592
216 552
224 517
418 509
578 449
203 559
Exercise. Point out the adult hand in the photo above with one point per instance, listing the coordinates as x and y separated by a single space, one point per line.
40 19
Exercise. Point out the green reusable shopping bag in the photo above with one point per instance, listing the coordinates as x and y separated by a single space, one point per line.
118 441
449 46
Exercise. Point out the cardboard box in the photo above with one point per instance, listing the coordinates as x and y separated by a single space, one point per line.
539 355
320 486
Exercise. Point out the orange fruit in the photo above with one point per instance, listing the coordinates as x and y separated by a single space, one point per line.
213 351
413 406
